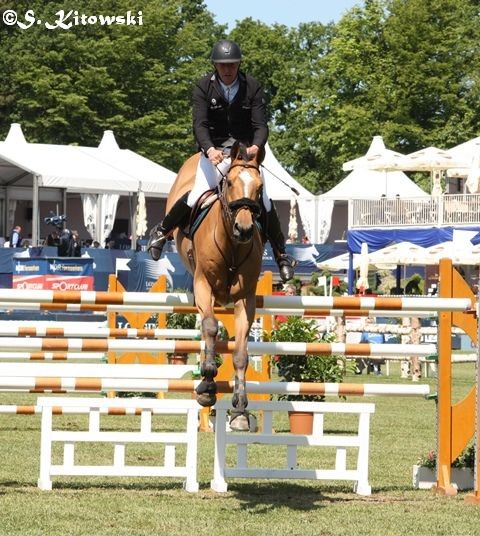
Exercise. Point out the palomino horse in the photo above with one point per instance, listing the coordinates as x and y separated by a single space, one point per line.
225 258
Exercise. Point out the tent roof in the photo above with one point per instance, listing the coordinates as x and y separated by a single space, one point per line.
363 183
277 190
80 169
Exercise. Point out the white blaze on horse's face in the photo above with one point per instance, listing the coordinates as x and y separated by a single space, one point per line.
248 180
245 184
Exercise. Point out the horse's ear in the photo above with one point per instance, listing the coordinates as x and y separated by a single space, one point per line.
260 155
235 150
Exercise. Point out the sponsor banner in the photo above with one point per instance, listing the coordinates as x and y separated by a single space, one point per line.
29 267
53 274
52 282
26 266
70 266
30 282
69 283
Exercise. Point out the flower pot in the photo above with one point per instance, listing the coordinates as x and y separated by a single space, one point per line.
177 359
425 477
301 422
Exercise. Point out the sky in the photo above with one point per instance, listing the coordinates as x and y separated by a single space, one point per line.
288 12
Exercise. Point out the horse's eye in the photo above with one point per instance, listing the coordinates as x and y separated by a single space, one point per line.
229 183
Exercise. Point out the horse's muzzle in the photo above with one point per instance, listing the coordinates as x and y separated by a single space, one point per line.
242 234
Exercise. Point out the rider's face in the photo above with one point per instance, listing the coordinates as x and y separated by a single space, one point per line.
227 71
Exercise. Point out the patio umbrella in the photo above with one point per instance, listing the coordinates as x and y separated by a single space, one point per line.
433 160
403 253
340 262
473 178
377 155
141 223
292 223
362 281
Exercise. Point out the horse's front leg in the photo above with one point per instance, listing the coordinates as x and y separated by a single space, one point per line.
244 315
207 389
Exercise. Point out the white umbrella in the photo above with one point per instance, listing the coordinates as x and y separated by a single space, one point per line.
430 159
141 223
362 281
377 157
292 223
473 177
340 262
405 253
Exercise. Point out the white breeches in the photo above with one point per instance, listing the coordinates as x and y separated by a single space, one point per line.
208 177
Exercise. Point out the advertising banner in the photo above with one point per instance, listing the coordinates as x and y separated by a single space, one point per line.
63 273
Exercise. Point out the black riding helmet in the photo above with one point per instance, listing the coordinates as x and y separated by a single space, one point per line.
226 51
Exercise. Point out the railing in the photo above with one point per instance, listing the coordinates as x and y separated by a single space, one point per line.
458 209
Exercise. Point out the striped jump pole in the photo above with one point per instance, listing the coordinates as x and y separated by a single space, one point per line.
34 384
374 303
167 309
16 330
52 356
172 346
11 409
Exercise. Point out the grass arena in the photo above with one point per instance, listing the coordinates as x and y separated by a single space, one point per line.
402 428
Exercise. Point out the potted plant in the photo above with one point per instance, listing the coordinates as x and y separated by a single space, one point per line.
306 368
180 321
424 471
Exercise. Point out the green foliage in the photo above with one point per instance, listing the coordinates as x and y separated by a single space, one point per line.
305 368
181 320
466 458
329 88
415 285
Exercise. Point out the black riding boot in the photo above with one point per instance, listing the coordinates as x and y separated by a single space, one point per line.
159 234
286 263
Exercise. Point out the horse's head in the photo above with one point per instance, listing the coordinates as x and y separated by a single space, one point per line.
243 192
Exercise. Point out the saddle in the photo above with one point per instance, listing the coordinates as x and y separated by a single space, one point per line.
199 211
202 207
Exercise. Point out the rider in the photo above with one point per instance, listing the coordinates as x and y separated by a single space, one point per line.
227 105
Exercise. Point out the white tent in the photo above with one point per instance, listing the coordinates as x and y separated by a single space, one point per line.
275 177
106 170
363 183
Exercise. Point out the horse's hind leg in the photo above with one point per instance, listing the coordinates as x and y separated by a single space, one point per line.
244 314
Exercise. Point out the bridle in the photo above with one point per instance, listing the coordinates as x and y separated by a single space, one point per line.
229 212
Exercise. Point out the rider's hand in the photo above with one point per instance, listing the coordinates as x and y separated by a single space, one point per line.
252 150
215 156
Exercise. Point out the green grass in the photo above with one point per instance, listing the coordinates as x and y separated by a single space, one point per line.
402 429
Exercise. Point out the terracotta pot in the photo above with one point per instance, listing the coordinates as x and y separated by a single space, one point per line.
301 422
177 359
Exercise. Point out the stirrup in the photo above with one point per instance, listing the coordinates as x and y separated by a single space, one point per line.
286 264
156 242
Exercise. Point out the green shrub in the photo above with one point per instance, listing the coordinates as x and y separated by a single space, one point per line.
306 368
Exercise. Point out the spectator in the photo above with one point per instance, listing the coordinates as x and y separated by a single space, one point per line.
53 239
16 237
65 248
76 247
372 338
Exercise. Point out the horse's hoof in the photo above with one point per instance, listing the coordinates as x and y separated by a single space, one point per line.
239 423
206 399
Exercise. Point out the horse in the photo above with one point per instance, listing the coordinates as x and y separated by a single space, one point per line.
224 257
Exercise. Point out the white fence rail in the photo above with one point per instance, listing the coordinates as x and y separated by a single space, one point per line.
456 209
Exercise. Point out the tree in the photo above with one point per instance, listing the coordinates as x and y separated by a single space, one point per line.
67 86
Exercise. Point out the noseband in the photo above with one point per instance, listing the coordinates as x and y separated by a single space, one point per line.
230 209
